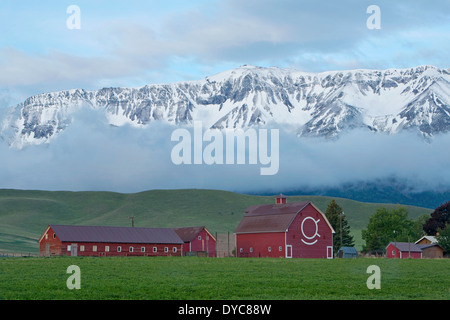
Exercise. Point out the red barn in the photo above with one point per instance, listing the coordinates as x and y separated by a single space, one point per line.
197 240
109 241
285 230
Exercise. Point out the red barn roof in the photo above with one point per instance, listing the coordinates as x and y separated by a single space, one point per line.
115 234
187 234
405 246
272 217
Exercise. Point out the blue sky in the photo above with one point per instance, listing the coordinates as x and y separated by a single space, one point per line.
134 43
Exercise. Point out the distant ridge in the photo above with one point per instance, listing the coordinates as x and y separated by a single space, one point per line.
25 214
313 104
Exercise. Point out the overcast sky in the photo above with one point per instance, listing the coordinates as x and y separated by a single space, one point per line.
134 43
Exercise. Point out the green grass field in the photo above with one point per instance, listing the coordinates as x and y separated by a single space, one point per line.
25 214
183 278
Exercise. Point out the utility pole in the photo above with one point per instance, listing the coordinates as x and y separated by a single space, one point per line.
340 225
132 221
395 243
409 247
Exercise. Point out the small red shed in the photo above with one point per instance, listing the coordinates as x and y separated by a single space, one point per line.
403 250
285 230
197 240
109 241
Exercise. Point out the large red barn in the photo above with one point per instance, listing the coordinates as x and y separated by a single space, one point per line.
285 230
197 240
109 241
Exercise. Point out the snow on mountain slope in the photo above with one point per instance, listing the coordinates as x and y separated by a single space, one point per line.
315 104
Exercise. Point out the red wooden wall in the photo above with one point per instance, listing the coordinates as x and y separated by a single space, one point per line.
260 245
310 235
61 248
403 255
205 243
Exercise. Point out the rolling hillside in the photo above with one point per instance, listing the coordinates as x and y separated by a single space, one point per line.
24 215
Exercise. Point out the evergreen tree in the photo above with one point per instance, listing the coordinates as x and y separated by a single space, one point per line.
338 221
443 238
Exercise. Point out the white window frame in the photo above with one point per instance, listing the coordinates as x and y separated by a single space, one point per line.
330 250
289 246
131 249
142 249
94 248
155 249
166 249
119 249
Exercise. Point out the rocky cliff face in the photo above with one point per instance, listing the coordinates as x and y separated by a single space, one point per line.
314 104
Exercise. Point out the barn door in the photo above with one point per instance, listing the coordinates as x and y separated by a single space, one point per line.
47 250
288 251
74 250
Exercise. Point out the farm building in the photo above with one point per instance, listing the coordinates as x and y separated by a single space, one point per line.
197 241
429 249
403 250
426 240
347 252
109 241
285 230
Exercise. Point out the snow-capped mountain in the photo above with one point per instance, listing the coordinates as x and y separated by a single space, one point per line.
314 104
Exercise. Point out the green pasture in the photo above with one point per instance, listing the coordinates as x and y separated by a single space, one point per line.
25 214
191 278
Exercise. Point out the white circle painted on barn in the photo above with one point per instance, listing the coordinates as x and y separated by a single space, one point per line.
316 233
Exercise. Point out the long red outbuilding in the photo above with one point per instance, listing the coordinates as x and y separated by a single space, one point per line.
119 241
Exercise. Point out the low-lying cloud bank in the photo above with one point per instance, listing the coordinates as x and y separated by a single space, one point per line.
92 155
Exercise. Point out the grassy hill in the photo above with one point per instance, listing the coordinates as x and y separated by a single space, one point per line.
24 215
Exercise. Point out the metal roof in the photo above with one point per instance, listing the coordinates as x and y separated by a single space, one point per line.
270 217
115 234
187 234
406 246
348 250
429 245
429 238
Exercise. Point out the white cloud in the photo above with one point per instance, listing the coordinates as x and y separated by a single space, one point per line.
129 47
91 155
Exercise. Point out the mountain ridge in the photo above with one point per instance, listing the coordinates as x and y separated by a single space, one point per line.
314 104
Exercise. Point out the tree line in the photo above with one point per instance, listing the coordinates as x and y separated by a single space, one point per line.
391 225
